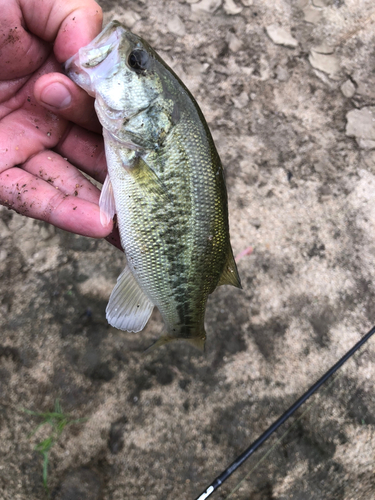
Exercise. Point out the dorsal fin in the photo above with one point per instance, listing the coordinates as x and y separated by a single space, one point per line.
229 276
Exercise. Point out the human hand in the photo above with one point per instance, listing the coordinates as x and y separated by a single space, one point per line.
48 126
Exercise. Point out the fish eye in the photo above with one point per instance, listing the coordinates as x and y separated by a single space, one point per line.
138 60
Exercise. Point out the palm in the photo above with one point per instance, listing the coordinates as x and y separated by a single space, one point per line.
41 153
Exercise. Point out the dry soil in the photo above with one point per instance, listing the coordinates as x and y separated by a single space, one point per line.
288 90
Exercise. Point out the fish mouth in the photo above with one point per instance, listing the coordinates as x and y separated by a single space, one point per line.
74 71
95 59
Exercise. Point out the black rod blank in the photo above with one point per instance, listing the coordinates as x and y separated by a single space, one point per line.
219 480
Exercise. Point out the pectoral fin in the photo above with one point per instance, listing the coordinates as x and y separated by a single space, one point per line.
107 203
128 307
229 275
148 180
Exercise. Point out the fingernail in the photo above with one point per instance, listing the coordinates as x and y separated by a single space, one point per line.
56 95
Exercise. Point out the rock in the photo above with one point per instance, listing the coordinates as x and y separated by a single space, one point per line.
247 3
282 74
320 3
231 8
281 36
197 68
325 62
312 16
369 160
129 18
348 88
361 125
209 6
234 43
264 69
324 48
325 167
241 101
366 144
365 88
176 26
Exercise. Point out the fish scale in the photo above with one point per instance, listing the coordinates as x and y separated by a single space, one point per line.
165 183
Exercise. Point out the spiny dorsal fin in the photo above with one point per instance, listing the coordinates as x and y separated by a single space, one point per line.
229 275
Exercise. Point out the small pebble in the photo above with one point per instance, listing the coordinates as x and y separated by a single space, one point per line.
241 101
231 8
282 74
235 43
209 6
320 3
129 18
323 48
312 16
281 36
361 125
176 26
325 62
348 89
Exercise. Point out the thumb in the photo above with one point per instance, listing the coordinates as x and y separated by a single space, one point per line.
59 94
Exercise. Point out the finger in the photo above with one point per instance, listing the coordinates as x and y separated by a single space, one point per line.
60 95
60 174
32 196
28 128
21 52
85 150
71 24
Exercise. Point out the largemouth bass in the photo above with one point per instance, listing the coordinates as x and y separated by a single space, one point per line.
165 182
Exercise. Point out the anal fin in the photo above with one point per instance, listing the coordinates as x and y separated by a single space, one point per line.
230 276
128 307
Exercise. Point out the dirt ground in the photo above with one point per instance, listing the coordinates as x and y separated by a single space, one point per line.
288 90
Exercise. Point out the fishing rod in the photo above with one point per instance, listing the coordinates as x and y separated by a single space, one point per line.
219 480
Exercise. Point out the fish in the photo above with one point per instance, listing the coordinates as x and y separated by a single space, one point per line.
165 184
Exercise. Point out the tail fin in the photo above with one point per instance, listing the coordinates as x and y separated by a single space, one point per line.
161 341
197 342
